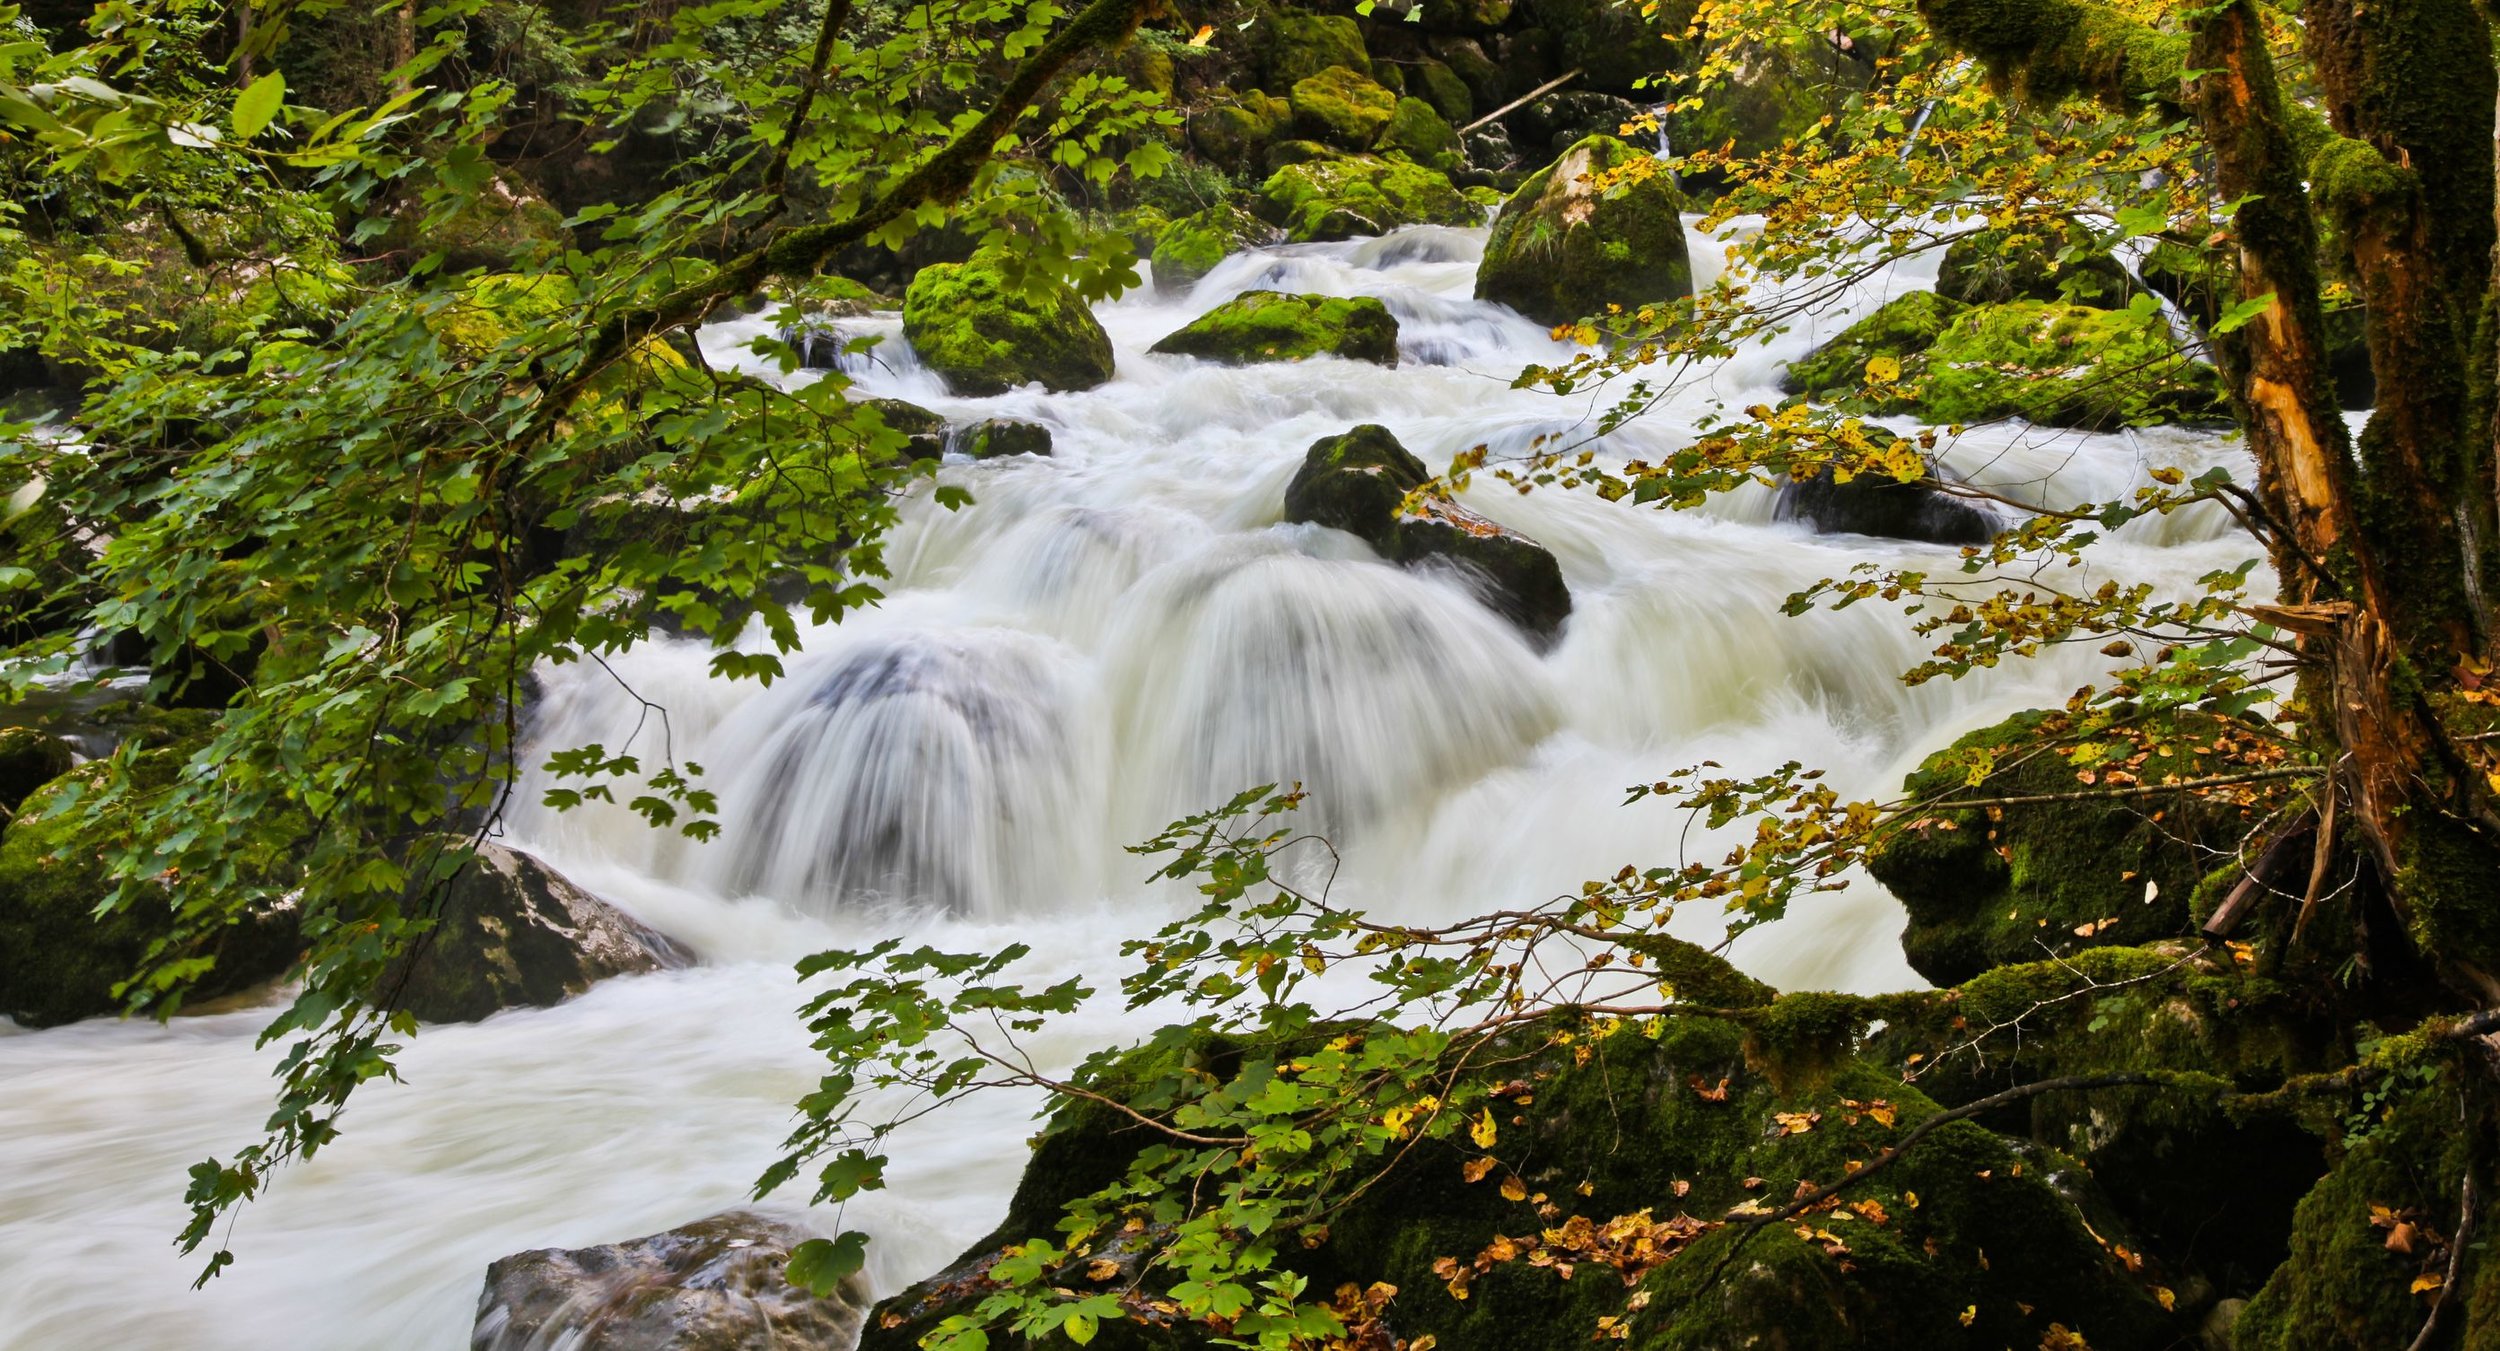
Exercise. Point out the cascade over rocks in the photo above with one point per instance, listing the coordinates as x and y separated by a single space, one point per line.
1565 248
1356 483
515 933
714 1285
1189 248
984 335
1258 326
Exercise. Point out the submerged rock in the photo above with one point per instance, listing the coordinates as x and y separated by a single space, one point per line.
714 1285
1189 248
1567 246
1878 504
1358 482
984 335
514 933
1340 197
1258 326
1003 436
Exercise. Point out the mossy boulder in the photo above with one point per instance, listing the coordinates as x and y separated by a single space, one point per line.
2051 364
511 932
1995 266
1191 247
1595 229
1418 131
1906 326
1465 16
1258 326
996 437
1237 134
59 959
30 757
986 329
1341 107
1441 87
1989 887
1296 46
1343 197
1358 482
1965 1242
924 431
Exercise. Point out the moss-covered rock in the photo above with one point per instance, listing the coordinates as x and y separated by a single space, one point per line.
1616 47
59 959
1343 197
1189 248
1995 266
1341 107
997 437
1296 46
1417 131
1906 326
1441 87
1595 229
1966 1242
2052 364
1260 326
30 757
1358 483
512 932
1237 134
2009 884
985 330
1465 16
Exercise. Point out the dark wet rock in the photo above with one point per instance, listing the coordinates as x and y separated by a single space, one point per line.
1563 119
1259 326
1878 504
30 757
984 335
924 431
1994 266
1358 482
59 959
512 932
1567 246
714 1285
1003 436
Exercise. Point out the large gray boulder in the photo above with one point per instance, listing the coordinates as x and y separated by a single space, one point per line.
713 1285
514 933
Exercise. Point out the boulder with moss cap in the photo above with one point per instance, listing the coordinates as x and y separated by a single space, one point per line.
1341 197
1189 248
1597 228
1341 107
986 329
1258 326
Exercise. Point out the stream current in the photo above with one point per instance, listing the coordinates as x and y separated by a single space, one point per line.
1111 637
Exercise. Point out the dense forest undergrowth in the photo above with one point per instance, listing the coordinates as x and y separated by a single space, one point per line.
352 356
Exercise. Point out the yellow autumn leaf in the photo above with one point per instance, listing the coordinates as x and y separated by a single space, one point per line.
1883 370
1514 1190
1483 1130
1970 1315
1474 1169
2168 1300
2429 1280
1205 34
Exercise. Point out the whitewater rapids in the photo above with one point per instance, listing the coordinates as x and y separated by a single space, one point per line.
1111 637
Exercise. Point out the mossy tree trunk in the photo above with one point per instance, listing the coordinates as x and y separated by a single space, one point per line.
2383 548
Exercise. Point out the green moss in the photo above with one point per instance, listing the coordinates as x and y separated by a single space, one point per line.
990 439
1354 482
1341 198
59 959
1985 888
1441 87
1568 247
1237 134
1189 248
1994 266
2057 366
1906 326
1297 46
1798 1040
1419 133
1258 326
1341 107
987 328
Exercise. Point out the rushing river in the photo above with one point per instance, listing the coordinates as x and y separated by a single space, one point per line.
1109 638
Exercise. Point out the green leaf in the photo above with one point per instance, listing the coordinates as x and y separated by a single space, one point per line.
259 102
1080 1328
820 1265
2238 315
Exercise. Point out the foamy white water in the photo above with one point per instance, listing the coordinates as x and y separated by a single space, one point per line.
1112 637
